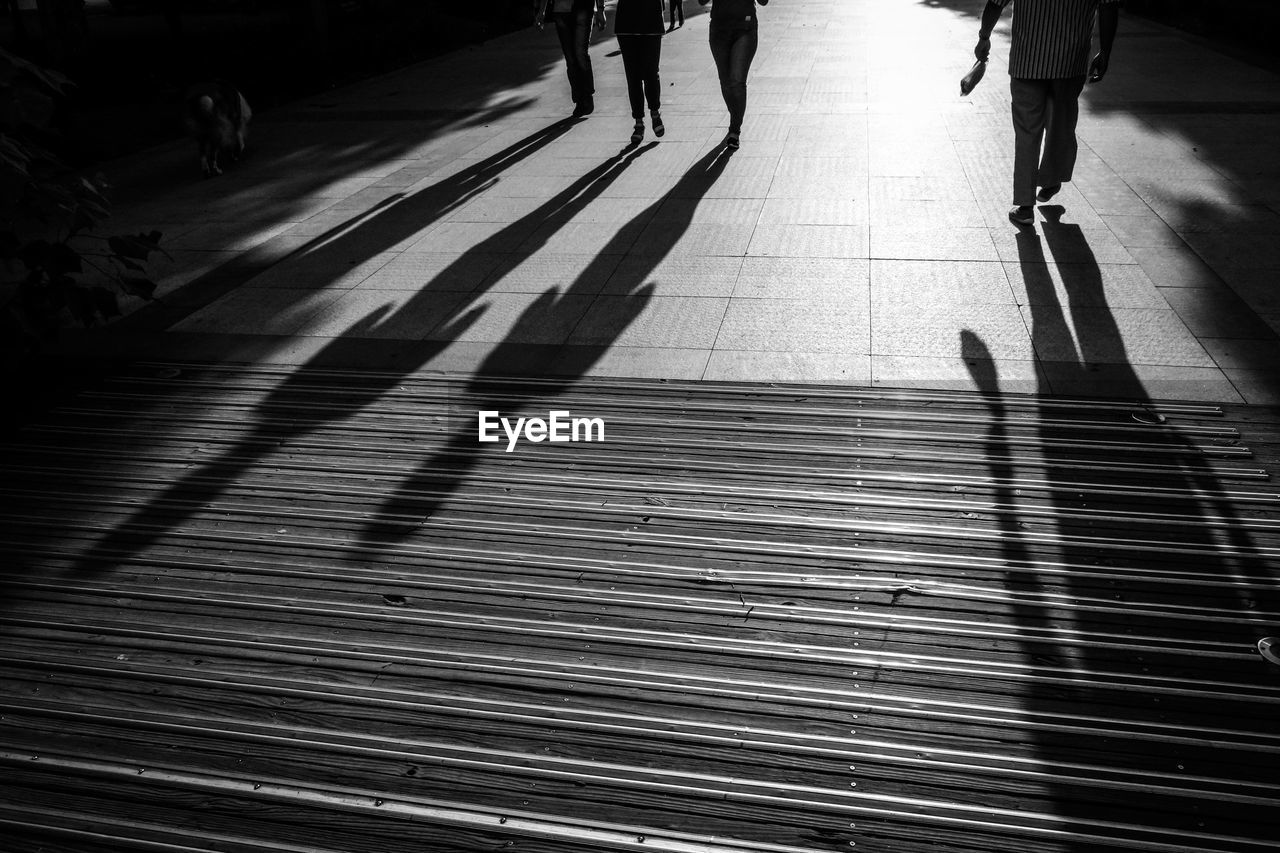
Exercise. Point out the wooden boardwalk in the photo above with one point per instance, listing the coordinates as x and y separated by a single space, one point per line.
253 610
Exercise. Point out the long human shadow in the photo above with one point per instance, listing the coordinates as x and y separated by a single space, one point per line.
492 387
1126 620
306 400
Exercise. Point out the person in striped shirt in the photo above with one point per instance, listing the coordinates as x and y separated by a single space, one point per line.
1048 65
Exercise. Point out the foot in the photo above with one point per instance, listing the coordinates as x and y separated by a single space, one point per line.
659 128
1022 215
585 107
637 135
1047 193
734 140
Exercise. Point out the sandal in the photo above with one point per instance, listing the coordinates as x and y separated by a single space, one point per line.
637 135
733 140
658 127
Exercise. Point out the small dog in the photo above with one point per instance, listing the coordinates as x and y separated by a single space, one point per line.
217 117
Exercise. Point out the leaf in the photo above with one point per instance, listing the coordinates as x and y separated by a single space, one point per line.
81 305
35 254
52 80
130 265
138 247
63 259
137 286
105 302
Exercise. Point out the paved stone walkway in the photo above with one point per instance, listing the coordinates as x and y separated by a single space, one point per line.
445 218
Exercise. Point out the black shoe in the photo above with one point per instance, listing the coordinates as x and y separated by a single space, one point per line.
585 107
1047 193
734 140
1022 215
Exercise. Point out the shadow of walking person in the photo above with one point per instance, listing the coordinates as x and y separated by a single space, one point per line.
492 387
1148 707
311 397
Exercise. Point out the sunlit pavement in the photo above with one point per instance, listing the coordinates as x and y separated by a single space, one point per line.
438 219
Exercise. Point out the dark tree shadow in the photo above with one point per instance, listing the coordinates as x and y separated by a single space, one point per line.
296 407
1101 616
422 495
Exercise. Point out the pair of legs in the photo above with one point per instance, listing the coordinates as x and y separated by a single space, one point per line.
733 46
574 30
677 11
1044 112
640 58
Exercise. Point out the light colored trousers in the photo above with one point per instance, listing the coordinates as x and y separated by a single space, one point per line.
1044 111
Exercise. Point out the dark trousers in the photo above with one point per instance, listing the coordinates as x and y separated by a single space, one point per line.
1044 111
733 46
677 11
574 29
640 57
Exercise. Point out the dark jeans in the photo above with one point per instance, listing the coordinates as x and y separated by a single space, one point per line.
733 46
1043 111
677 11
640 56
574 29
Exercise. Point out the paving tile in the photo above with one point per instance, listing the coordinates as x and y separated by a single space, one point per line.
1245 353
819 186
324 268
583 238
1099 285
501 210
1246 251
752 366
956 373
487 237
1142 231
815 241
795 325
1067 244
676 275
1216 313
179 269
943 244
384 314
927 283
1258 288
1175 267
259 311
229 236
1112 198
635 362
938 329
1114 336
814 211
727 186
1141 381
644 320
1257 387
666 237
926 214
581 273
719 211
443 271
843 279
518 318
853 150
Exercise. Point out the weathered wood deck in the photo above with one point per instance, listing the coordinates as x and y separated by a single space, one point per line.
249 610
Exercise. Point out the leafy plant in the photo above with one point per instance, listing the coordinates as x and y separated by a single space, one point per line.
53 268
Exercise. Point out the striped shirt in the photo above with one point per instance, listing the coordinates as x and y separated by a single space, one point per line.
1051 38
